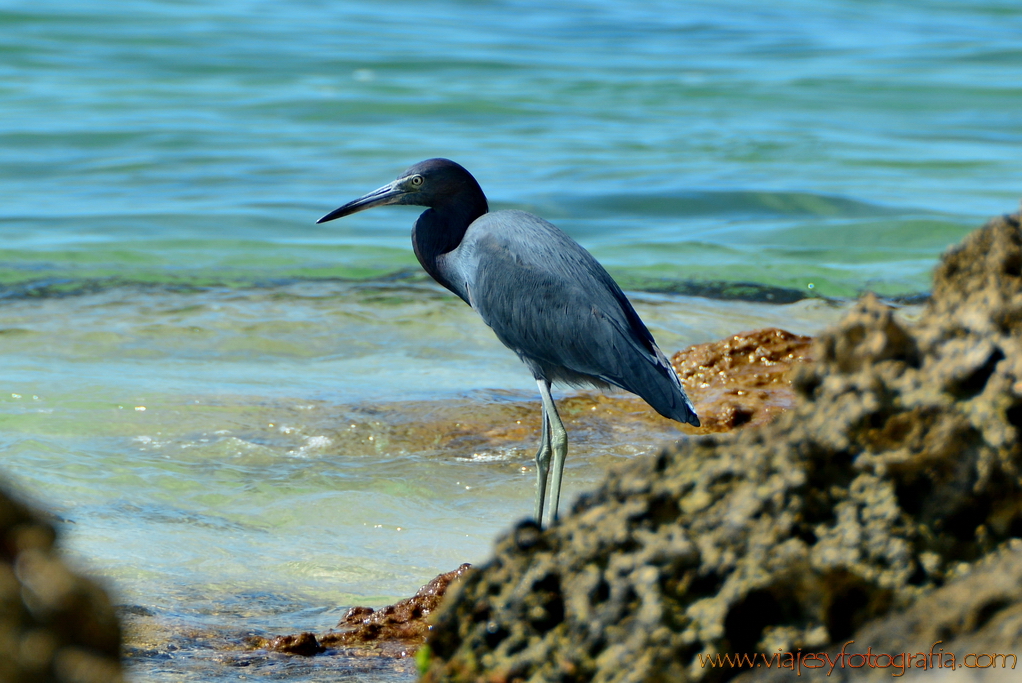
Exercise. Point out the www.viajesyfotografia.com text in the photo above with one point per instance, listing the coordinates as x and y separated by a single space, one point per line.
900 662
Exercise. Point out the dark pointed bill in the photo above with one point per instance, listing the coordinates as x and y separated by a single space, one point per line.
388 194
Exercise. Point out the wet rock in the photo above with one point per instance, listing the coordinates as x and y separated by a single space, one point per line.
897 471
404 622
393 631
741 380
55 626
304 644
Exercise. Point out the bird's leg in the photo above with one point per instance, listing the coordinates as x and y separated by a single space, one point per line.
542 464
558 439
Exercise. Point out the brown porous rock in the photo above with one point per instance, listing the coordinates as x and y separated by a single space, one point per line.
404 622
896 475
741 380
393 631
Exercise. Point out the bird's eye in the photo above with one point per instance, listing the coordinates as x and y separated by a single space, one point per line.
416 180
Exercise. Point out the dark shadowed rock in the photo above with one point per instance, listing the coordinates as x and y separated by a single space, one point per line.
896 473
977 618
55 626
304 644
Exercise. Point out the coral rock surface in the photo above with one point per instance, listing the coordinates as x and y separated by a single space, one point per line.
896 472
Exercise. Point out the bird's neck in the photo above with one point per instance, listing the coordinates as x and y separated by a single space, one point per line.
440 230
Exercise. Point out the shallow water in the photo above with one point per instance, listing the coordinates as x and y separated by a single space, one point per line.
248 422
257 460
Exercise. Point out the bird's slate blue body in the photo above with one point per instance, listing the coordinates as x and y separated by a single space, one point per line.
546 298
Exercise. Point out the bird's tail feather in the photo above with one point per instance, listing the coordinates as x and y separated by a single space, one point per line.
658 384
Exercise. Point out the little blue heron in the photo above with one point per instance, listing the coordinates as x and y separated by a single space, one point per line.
546 298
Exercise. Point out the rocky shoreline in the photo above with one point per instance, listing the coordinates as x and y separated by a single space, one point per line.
865 486
895 476
741 380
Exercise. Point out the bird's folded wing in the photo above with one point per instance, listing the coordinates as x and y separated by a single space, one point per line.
549 300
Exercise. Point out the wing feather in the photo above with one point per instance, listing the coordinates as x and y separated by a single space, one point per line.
553 304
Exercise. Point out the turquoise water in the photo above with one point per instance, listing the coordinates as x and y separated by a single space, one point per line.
839 144
318 423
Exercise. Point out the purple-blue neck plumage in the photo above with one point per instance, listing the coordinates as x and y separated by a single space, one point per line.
454 199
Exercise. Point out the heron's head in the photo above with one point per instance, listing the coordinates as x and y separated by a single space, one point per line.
434 183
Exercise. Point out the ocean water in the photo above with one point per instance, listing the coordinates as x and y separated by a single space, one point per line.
247 422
